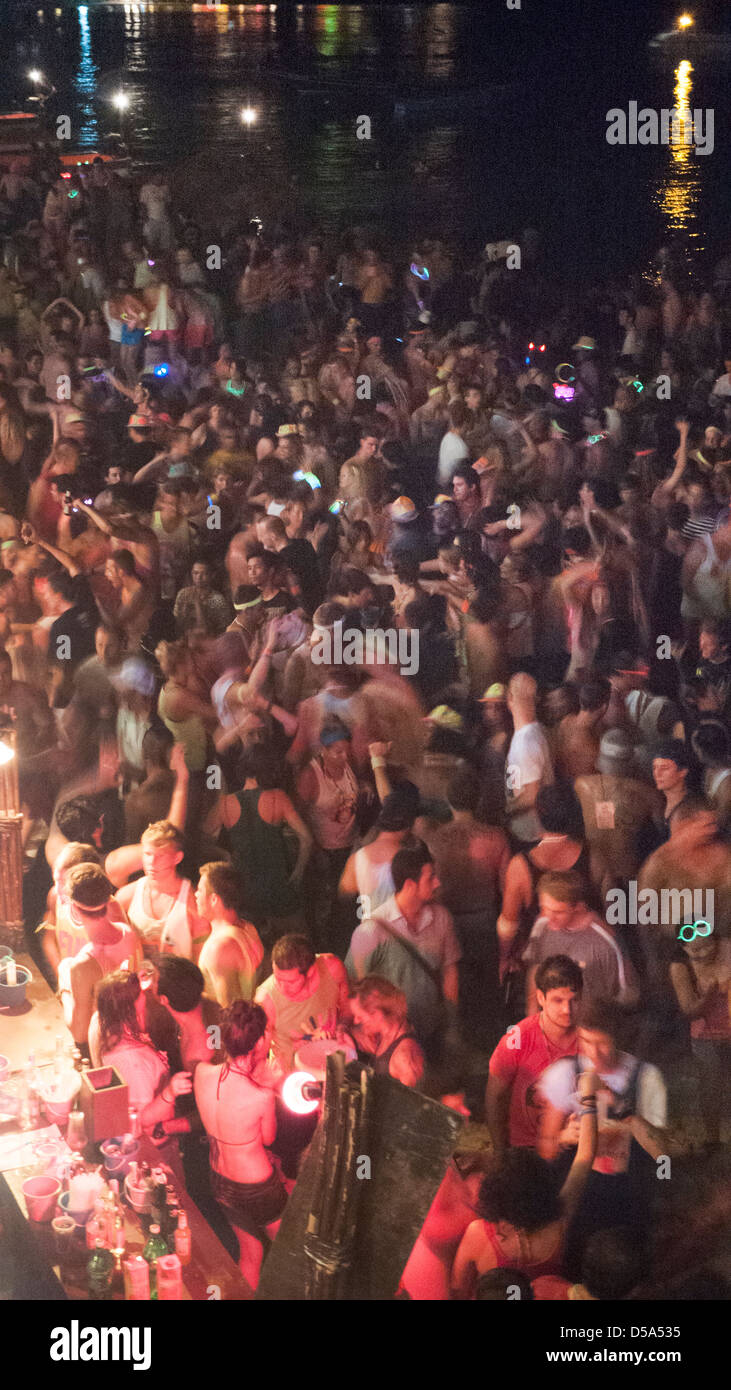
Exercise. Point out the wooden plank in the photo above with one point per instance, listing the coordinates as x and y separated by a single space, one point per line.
409 1142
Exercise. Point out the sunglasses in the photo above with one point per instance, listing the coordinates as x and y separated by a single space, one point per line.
695 928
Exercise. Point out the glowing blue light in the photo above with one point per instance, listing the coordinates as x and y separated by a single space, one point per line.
420 272
161 369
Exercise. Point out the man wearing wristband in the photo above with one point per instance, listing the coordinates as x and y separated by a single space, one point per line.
631 1117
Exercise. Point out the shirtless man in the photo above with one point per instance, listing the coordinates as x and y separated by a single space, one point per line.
617 808
576 746
692 859
232 954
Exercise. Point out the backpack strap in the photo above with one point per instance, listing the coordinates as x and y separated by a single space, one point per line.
415 954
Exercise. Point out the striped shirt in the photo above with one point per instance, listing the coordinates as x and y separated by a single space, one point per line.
700 525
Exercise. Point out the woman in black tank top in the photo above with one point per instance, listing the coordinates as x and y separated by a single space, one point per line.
561 847
383 1035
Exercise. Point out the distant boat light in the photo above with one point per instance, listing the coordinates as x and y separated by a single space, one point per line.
685 21
120 100
249 115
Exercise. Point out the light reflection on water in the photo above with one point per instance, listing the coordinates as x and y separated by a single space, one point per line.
189 69
677 190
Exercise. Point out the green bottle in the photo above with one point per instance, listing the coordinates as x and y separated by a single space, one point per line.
100 1272
155 1247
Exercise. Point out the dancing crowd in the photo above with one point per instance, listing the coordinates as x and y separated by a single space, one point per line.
365 643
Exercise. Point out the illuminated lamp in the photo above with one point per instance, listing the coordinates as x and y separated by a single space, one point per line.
301 1093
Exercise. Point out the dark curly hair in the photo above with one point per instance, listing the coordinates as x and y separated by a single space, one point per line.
242 1025
522 1190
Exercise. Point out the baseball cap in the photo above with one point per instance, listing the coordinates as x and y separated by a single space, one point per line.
135 674
585 344
285 430
75 418
496 691
403 509
446 718
441 498
628 664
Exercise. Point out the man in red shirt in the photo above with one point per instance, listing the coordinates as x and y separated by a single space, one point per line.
527 1049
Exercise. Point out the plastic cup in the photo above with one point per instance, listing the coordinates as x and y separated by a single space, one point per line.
64 1230
117 1161
41 1197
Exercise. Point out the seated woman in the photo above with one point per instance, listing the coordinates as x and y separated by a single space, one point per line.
524 1215
382 1030
117 1038
238 1115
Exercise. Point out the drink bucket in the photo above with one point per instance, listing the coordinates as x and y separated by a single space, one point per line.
11 995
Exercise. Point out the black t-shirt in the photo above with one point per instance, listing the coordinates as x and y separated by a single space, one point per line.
299 556
71 637
277 606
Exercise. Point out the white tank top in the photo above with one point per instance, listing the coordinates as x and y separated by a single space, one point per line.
710 584
375 881
170 935
332 815
115 955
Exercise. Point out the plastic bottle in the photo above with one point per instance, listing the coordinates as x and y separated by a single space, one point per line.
155 1247
100 1273
136 1279
96 1226
77 1059
169 1278
183 1238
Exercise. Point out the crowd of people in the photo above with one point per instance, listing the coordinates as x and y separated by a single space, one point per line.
366 648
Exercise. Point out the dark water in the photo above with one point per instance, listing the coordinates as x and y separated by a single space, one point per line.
535 154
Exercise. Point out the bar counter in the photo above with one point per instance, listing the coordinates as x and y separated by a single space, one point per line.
211 1273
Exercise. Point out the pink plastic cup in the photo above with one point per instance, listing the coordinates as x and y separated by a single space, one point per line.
41 1197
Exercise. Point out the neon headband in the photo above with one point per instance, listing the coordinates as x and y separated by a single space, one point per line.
241 607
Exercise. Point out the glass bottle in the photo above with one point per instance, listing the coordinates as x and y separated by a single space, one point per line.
155 1247
183 1238
100 1272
